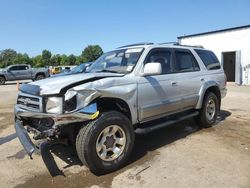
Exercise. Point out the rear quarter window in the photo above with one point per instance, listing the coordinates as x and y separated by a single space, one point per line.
209 59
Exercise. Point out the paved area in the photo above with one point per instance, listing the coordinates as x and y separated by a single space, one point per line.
182 155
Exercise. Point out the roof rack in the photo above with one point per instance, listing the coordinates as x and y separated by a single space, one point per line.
196 46
173 43
178 44
137 44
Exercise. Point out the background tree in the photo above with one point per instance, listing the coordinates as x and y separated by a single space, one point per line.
91 53
46 55
64 59
10 57
22 59
55 60
7 57
71 60
38 61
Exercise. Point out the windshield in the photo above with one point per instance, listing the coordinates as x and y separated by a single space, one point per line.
118 61
78 69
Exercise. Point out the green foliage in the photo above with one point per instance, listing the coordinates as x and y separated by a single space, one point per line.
37 61
71 60
10 57
46 57
7 57
91 53
55 60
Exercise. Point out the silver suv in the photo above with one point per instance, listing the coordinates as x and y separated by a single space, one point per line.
124 91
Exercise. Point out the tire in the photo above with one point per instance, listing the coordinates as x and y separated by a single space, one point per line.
40 77
209 112
2 80
101 131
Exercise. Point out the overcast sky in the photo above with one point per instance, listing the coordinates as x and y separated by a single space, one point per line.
64 26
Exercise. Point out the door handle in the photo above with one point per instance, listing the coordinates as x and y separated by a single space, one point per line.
174 83
202 79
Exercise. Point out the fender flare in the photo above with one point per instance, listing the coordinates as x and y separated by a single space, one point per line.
2 75
203 90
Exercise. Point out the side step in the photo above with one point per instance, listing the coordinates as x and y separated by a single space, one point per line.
154 127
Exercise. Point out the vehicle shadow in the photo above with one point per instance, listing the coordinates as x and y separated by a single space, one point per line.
144 143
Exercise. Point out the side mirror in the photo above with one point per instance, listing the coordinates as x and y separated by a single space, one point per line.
8 70
153 68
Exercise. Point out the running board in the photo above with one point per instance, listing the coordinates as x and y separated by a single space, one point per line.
165 124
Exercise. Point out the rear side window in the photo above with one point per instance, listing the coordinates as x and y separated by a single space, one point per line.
209 59
185 61
23 67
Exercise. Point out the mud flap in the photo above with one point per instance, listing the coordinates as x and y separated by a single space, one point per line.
24 138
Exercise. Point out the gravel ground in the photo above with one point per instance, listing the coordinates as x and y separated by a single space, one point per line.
182 155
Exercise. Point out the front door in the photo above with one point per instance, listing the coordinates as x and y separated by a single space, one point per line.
158 95
13 73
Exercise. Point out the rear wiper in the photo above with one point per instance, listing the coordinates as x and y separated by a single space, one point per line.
107 70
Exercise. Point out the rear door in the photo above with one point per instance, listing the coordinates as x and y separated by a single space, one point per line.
189 79
158 95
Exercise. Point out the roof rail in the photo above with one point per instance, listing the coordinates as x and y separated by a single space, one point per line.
173 43
196 46
137 44
178 44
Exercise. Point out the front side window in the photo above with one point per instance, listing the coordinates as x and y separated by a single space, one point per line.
14 68
209 59
161 56
118 61
185 62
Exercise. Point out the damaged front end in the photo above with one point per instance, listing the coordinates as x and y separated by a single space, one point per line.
41 119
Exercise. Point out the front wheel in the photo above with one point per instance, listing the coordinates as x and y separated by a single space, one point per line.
105 144
2 80
209 112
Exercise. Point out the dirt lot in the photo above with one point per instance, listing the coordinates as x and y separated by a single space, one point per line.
181 155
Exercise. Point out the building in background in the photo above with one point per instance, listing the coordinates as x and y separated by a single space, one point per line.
231 46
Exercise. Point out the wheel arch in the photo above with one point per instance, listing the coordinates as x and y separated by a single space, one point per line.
40 73
2 75
109 104
206 88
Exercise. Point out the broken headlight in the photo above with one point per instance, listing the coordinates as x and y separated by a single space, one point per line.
54 105
70 101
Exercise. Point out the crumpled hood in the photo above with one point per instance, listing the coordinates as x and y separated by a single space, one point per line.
56 85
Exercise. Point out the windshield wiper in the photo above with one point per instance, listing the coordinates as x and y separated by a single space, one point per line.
107 70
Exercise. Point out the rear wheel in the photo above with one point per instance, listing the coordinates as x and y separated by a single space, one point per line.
2 80
105 144
209 111
40 77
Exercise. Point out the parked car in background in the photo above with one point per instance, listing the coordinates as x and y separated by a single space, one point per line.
76 70
56 70
22 72
67 69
